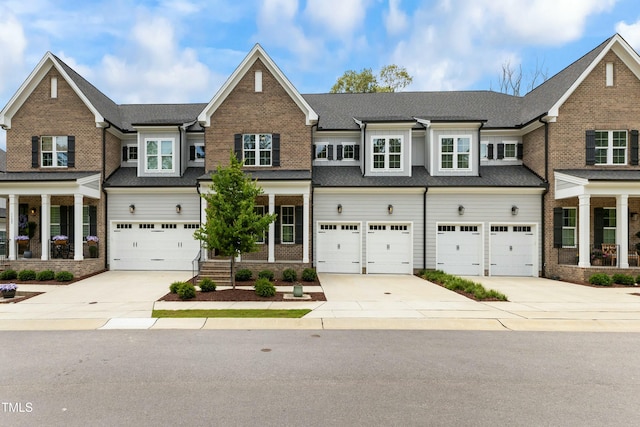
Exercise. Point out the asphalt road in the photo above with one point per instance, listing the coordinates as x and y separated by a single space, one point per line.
318 378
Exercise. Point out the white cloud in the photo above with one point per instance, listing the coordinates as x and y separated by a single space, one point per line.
13 44
395 20
630 32
3 139
338 18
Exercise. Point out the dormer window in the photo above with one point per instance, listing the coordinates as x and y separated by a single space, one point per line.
386 153
455 152
159 155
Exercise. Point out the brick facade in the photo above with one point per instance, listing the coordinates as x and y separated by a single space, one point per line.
592 106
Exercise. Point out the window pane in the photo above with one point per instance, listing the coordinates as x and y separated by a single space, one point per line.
61 143
463 161
133 153
378 161
287 234
348 152
249 157
609 217
321 151
602 139
569 217
199 151
609 235
619 156
167 162
152 163
265 158
619 139
152 148
395 146
47 159
464 145
265 142
447 161
568 237
47 143
394 161
378 145
62 159
510 150
484 151
167 147
601 155
249 142
447 145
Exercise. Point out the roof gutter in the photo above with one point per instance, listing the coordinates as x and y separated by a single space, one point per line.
363 128
479 145
104 179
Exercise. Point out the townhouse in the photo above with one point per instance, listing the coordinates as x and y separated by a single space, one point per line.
470 182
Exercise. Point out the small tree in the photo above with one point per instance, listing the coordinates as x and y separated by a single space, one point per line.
232 225
393 78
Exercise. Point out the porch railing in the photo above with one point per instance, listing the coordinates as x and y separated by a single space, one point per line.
65 251
600 255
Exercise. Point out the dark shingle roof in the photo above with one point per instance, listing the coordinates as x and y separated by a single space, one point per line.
272 175
159 114
603 175
44 176
490 176
127 177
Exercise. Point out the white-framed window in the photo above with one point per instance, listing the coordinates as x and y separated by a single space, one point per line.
85 221
159 155
260 210
348 151
510 150
287 224
132 153
386 152
256 149
53 151
484 150
321 151
569 221
609 226
199 151
611 147
455 152
54 225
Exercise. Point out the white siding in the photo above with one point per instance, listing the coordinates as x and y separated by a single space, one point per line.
335 141
482 209
495 140
417 150
373 207
154 207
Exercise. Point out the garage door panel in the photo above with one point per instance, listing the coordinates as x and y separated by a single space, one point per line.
338 248
459 249
513 249
389 248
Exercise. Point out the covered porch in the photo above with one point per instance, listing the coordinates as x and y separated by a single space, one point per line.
596 218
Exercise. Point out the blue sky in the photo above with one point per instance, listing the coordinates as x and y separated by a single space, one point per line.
183 50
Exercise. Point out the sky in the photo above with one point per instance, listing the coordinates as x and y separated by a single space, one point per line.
176 51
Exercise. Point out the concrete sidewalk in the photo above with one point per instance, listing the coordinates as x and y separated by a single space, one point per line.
124 300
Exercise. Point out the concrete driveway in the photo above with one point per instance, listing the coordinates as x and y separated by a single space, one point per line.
107 295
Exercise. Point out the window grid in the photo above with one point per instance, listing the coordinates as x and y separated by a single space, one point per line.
159 155
287 213
257 149
455 152
611 147
348 152
53 151
387 152
569 216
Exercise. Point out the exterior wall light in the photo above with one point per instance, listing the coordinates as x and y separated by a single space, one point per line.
33 211
390 209
460 210
132 208
514 210
178 208
339 209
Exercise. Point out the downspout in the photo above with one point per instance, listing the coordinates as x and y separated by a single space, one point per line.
363 128
311 258
479 145
543 240
424 228
106 204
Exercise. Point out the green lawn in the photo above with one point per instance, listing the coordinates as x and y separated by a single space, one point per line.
278 314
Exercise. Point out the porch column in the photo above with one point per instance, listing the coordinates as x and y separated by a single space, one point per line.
622 229
305 227
13 225
77 228
272 229
584 221
203 220
45 228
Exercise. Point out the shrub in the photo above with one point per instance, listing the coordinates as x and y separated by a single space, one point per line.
623 279
638 278
458 284
266 274
309 275
600 279
264 288
8 275
173 288
46 275
186 291
207 285
289 275
27 275
64 276
243 275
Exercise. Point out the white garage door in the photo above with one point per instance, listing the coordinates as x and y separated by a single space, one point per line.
459 250
153 246
389 248
512 250
338 248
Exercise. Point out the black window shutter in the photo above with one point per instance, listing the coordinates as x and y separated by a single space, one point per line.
298 228
329 152
35 145
500 151
315 153
237 146
277 241
192 152
339 155
558 221
356 152
125 154
490 151
520 151
71 151
275 159
591 147
634 147
93 220
598 227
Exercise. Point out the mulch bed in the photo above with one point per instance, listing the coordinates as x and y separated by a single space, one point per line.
24 295
241 295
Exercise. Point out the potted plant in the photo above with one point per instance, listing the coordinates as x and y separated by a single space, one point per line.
22 240
8 290
60 239
596 257
92 240
297 290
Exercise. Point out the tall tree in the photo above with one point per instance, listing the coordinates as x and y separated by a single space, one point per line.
392 76
232 224
511 79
